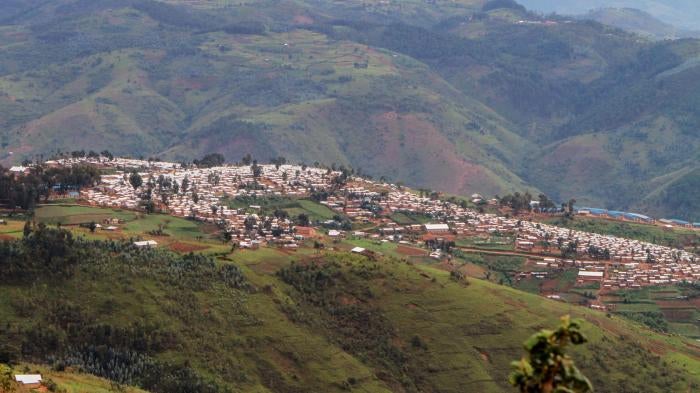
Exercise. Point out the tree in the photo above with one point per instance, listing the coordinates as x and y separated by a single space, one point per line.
27 229
148 206
303 220
250 222
247 159
185 184
107 154
256 169
570 207
548 369
210 160
7 384
545 202
135 180
279 161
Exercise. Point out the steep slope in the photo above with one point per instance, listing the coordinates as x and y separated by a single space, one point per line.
237 90
630 137
327 323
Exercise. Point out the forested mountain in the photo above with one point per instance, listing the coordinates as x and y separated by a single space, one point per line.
461 96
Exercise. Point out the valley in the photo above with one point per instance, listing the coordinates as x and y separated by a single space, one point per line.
292 196
460 97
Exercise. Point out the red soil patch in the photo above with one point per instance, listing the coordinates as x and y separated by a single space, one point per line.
406 140
6 237
484 355
186 247
549 286
473 270
676 315
410 251
675 304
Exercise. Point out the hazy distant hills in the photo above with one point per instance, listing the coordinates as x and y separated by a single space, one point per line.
461 96
639 22
684 14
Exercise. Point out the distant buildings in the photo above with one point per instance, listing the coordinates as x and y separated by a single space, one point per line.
146 244
618 263
437 228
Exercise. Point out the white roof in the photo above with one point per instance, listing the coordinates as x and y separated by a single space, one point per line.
28 379
333 232
18 169
590 274
145 243
437 227
358 250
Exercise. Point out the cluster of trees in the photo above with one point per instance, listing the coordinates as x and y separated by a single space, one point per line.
26 190
90 154
441 244
655 320
496 4
523 202
210 160
66 334
598 252
516 201
358 327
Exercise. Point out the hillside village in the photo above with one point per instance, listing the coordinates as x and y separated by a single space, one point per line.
201 194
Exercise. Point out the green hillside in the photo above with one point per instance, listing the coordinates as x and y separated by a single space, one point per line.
269 321
70 381
458 96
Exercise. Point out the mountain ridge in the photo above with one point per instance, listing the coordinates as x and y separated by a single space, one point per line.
447 95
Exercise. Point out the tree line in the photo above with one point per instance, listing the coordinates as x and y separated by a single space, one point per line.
25 190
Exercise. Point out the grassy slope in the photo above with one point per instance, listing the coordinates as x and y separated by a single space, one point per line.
277 340
180 234
74 382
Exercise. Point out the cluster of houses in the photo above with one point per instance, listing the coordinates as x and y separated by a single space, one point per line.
200 193
635 217
617 262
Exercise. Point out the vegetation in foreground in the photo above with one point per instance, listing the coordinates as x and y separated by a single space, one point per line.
548 368
268 321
